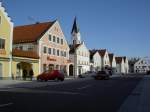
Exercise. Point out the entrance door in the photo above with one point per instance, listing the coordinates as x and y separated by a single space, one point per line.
71 70
1 71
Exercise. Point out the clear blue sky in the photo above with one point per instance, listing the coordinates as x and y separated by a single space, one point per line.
121 26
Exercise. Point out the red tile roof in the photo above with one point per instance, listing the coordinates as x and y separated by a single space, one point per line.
111 57
30 33
26 54
118 60
102 52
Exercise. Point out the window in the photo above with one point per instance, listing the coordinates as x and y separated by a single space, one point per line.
30 47
45 50
57 52
54 51
2 43
54 39
21 47
50 38
62 41
61 53
58 40
49 51
65 54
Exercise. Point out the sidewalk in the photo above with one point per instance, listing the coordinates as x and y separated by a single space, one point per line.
139 99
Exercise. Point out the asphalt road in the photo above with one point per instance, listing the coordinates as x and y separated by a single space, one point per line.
87 95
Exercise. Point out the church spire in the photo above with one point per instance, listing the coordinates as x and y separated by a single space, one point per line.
75 27
75 32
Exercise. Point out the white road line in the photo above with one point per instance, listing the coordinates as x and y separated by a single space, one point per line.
4 105
84 87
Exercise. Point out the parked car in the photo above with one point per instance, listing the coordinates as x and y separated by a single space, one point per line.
102 75
148 72
81 76
53 75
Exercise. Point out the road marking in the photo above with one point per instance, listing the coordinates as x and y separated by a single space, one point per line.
84 87
4 105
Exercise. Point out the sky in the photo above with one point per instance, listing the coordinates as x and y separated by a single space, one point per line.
120 26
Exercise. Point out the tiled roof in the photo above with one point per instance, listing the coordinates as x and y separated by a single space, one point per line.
102 52
111 57
30 33
26 54
118 60
92 52
72 48
124 58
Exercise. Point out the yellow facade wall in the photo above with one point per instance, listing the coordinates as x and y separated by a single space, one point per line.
5 69
33 62
6 33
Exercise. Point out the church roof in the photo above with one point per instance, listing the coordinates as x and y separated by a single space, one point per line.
75 27
73 48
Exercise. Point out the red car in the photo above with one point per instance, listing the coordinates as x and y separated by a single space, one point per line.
53 75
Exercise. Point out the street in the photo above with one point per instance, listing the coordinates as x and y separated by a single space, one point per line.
87 95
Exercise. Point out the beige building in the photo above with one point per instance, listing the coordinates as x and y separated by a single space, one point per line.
47 41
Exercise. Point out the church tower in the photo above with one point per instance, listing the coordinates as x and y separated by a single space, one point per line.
75 32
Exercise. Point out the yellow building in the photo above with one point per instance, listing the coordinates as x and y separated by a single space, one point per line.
6 32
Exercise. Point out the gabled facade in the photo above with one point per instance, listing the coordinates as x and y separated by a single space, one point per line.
79 53
142 65
95 60
126 65
120 65
104 58
112 62
6 32
46 41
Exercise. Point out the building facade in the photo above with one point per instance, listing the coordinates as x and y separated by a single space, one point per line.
120 65
105 63
6 32
112 62
79 54
47 41
142 65
95 60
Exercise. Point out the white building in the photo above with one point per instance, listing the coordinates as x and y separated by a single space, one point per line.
105 63
120 65
95 61
126 65
112 62
142 66
79 54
